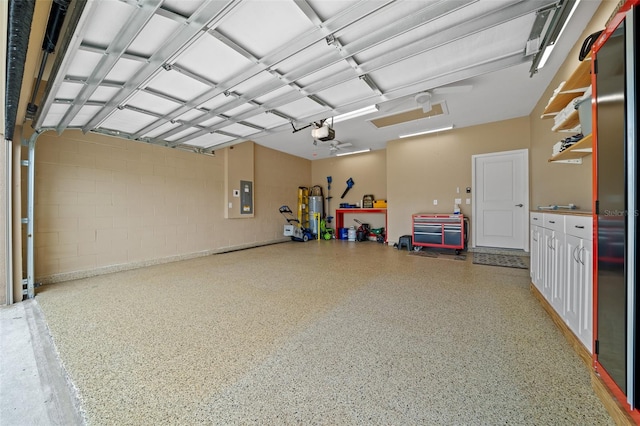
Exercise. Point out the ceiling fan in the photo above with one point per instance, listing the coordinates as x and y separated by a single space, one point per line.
336 146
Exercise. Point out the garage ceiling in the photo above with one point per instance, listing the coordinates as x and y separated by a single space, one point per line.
201 75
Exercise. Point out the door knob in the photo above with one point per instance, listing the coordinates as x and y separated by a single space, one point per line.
519 205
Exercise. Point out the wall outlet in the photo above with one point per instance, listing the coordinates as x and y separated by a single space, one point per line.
230 205
468 200
435 202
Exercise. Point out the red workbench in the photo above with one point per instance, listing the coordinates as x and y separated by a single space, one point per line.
341 212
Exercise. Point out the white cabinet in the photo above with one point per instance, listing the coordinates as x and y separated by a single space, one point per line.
561 268
579 303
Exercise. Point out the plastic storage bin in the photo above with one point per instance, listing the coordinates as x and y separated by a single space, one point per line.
584 112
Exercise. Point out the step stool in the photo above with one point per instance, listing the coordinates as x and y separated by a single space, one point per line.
406 241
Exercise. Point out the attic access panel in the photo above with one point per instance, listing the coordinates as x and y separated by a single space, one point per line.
407 116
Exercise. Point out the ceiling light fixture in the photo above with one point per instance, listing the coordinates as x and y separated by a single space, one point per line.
341 154
549 48
545 55
357 113
559 19
426 132
573 9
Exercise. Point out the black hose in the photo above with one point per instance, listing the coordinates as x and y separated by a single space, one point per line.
585 50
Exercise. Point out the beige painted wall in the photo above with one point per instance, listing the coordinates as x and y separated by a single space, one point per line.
277 177
369 173
104 204
432 167
411 173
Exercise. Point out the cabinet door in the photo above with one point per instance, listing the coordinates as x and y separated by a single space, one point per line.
573 301
585 257
548 268
533 256
559 280
536 257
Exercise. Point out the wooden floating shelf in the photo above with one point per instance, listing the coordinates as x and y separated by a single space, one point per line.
574 87
580 149
569 123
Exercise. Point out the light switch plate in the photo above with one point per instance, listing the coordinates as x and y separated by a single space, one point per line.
435 202
458 201
468 200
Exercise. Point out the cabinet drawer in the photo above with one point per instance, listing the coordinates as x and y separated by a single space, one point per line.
536 219
553 221
579 226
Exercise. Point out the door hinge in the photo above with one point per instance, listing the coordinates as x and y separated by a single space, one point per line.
597 347
597 207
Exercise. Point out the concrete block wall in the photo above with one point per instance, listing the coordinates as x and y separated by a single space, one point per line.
104 204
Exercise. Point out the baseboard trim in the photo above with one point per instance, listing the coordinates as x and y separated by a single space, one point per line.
76 275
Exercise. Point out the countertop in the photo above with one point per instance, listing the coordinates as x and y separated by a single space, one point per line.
575 212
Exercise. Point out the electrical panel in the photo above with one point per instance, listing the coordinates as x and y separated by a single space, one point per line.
246 197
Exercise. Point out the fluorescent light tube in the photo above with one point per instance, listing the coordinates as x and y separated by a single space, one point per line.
566 22
549 48
353 152
353 114
545 55
426 132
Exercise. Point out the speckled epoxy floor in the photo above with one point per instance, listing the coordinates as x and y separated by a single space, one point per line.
327 332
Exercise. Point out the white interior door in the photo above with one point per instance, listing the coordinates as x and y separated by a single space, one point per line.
501 200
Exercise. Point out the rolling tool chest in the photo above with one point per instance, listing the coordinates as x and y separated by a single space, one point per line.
439 230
